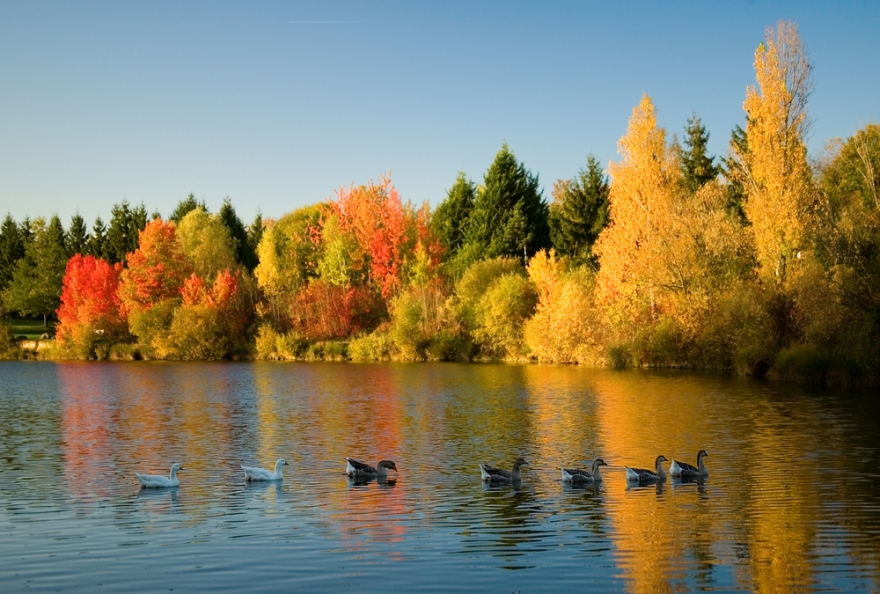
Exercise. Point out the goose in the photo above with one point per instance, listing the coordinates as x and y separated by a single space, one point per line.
157 481
686 470
356 468
648 476
497 475
255 473
577 475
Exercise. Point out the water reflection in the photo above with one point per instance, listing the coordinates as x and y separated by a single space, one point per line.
791 500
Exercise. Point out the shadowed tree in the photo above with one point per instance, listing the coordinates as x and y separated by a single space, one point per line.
185 206
451 216
697 167
509 216
579 213
11 250
77 237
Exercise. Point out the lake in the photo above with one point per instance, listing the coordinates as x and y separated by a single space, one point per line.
792 501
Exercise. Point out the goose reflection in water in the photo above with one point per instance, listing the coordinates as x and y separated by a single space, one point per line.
363 481
159 500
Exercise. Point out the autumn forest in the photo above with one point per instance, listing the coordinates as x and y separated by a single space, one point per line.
762 261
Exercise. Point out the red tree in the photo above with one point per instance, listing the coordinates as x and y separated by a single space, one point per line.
90 305
156 270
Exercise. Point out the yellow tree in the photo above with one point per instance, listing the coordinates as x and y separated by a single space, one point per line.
643 184
777 175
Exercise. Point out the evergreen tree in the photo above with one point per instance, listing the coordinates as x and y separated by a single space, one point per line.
254 235
579 213
11 250
509 216
697 167
25 231
122 235
77 238
732 169
97 239
36 283
185 206
451 217
243 252
56 234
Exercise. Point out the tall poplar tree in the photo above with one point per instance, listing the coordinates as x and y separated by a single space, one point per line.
579 212
777 174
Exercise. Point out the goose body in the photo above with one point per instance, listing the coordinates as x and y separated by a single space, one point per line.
578 475
158 481
255 473
498 475
356 468
683 469
643 475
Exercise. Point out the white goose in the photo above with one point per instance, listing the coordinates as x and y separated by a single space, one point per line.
496 475
683 469
577 475
158 481
643 475
357 468
255 473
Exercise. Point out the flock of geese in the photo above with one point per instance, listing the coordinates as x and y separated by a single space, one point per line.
489 474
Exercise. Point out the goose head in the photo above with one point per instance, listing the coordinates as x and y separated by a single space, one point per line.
519 462
175 468
387 464
279 463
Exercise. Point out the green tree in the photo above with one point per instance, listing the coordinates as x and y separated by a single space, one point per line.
35 289
185 206
451 216
579 213
206 242
97 238
509 216
697 167
254 235
733 171
11 250
122 235
245 253
77 237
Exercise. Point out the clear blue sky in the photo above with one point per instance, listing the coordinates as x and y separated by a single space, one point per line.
277 104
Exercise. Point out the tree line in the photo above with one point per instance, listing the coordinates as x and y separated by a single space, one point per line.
763 260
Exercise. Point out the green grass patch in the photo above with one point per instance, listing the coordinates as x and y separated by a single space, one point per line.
30 329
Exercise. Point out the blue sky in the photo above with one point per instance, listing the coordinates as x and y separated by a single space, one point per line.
277 104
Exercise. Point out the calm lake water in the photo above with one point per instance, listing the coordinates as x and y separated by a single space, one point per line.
792 501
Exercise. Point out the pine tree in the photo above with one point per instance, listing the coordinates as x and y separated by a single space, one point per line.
451 216
732 169
254 235
122 235
184 206
77 238
509 216
97 238
36 283
697 167
11 250
243 252
579 212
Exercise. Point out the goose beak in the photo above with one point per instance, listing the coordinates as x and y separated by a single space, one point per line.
286 464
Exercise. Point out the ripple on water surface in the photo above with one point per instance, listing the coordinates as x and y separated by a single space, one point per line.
791 501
